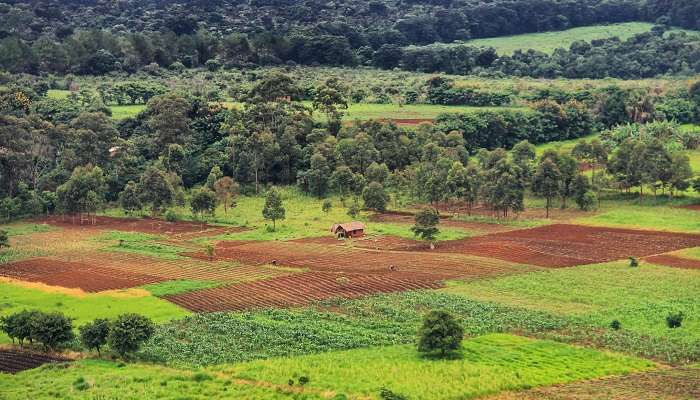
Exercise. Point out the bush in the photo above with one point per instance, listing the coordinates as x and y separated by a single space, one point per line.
94 335
386 394
52 330
171 216
675 320
129 332
440 332
81 384
634 263
615 325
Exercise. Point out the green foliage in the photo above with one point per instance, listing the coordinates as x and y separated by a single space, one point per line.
4 239
615 325
85 308
128 332
440 332
426 224
274 208
327 206
156 190
93 335
374 196
51 330
203 202
675 320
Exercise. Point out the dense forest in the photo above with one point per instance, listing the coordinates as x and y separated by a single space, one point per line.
95 38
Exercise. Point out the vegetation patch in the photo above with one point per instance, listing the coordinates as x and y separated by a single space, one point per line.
140 243
486 365
178 286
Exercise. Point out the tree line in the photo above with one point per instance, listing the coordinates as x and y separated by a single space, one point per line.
70 158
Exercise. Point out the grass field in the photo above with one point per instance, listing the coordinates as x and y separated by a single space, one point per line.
83 307
640 298
487 365
547 42
649 216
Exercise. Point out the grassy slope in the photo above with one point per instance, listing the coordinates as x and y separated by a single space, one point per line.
108 380
631 215
86 307
640 298
487 365
547 42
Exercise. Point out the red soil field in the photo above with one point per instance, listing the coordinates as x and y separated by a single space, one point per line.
74 275
445 220
294 290
14 361
143 225
370 242
695 207
674 261
563 245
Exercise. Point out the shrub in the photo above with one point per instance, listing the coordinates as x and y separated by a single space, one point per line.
303 380
675 320
634 262
52 330
81 384
440 332
129 332
171 216
94 335
386 394
616 325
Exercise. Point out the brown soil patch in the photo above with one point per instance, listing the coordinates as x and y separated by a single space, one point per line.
563 245
674 261
694 207
143 225
74 275
445 220
379 242
333 271
294 290
663 384
14 361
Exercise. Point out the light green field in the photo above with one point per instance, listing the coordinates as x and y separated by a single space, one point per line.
488 364
304 218
565 145
109 380
86 307
662 218
547 42
640 298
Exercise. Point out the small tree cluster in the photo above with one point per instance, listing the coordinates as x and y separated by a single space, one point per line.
51 330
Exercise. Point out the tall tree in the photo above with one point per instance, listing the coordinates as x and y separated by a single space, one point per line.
274 208
156 190
84 192
546 181
225 188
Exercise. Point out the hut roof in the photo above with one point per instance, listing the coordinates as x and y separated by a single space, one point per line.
348 226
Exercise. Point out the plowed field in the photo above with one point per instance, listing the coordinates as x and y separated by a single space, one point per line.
89 278
294 290
14 361
674 261
143 225
564 245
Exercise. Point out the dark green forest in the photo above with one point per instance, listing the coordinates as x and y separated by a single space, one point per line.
99 37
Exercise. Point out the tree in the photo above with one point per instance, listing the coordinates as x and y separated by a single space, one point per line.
377 173
375 197
273 209
225 189
4 239
318 175
84 192
440 332
18 326
680 172
546 181
426 222
130 198
93 335
51 329
353 210
583 195
169 120
156 190
203 202
326 206
128 332
568 168
214 175
330 98
342 181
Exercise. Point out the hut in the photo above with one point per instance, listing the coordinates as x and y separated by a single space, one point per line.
349 229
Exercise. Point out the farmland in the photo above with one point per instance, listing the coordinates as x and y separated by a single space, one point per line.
381 200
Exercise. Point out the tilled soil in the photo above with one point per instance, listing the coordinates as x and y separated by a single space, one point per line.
143 225
14 361
88 278
295 290
674 261
564 245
